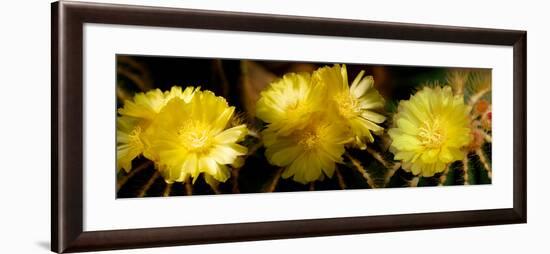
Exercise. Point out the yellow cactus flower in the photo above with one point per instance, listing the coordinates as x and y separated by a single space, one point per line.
357 104
129 141
310 119
133 126
288 103
431 130
309 152
193 138
296 138
136 116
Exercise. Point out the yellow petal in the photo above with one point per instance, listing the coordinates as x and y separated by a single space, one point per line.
232 135
226 154
362 87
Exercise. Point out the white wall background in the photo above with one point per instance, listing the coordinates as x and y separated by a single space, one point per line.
25 126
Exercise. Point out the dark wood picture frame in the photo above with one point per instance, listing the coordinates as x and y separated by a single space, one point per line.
67 233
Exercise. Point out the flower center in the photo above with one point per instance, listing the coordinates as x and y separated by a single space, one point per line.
431 134
195 136
308 138
346 105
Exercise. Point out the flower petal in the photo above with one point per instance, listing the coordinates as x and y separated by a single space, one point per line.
232 135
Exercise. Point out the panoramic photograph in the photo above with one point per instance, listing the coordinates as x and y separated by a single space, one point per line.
207 126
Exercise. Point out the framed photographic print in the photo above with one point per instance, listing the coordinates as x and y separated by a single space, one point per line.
177 126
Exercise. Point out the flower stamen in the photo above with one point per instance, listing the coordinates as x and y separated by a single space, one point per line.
431 134
134 137
347 106
308 139
195 137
